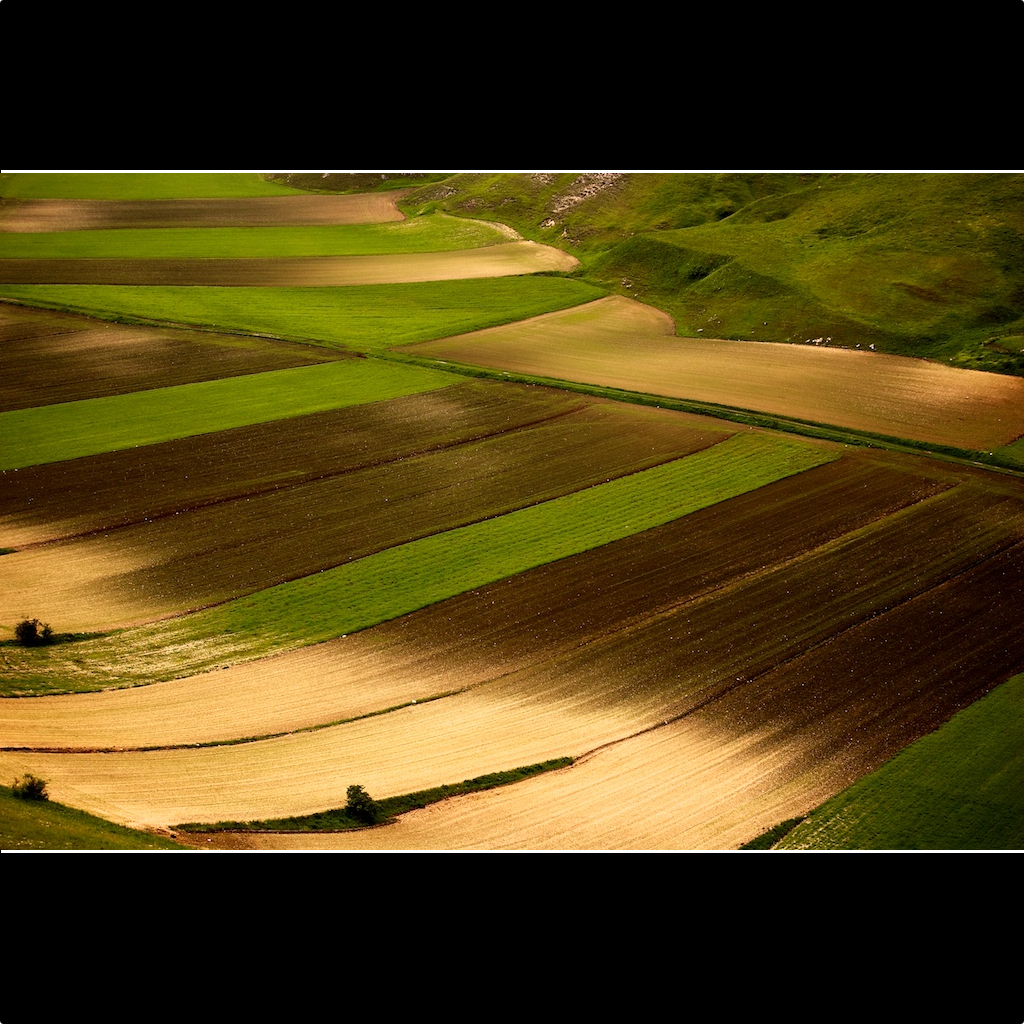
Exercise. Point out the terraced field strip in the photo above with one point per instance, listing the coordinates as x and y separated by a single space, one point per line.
437 233
663 789
401 579
765 751
74 358
198 556
138 485
889 395
366 318
512 626
71 430
41 215
504 260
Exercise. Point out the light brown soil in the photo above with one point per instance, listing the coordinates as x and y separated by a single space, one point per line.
892 395
28 215
504 260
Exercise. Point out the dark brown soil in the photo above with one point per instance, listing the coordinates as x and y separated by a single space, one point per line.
46 358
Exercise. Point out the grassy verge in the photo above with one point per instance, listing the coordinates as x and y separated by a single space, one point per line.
363 318
959 788
339 820
45 825
53 433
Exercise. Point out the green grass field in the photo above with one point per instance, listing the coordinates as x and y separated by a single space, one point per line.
366 318
71 430
960 788
128 185
437 233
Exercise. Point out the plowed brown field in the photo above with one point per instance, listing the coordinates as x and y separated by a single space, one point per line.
72 357
505 260
783 673
612 344
197 556
27 215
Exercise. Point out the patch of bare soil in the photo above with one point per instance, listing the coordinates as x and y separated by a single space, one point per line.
46 358
29 215
504 260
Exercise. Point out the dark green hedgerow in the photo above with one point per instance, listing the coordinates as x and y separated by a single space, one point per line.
354 814
768 839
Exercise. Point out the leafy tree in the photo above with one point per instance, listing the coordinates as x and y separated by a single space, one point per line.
361 806
33 633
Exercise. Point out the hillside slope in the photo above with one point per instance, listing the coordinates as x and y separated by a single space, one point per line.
928 265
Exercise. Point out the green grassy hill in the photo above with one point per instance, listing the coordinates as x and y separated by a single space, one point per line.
44 825
928 265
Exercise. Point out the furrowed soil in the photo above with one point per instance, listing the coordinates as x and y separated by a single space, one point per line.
192 557
612 343
727 703
27 215
508 627
73 357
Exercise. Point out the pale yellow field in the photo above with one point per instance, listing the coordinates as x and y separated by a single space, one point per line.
616 342
407 750
685 786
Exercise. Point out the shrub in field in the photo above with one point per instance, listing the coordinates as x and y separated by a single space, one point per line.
361 806
33 633
28 787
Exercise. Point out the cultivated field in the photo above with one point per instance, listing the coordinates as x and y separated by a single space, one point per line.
277 569
44 215
619 343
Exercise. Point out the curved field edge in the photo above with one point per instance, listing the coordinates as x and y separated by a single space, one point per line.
959 788
70 430
364 318
403 579
340 819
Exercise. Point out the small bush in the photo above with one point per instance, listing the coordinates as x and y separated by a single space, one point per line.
361 807
28 787
33 633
